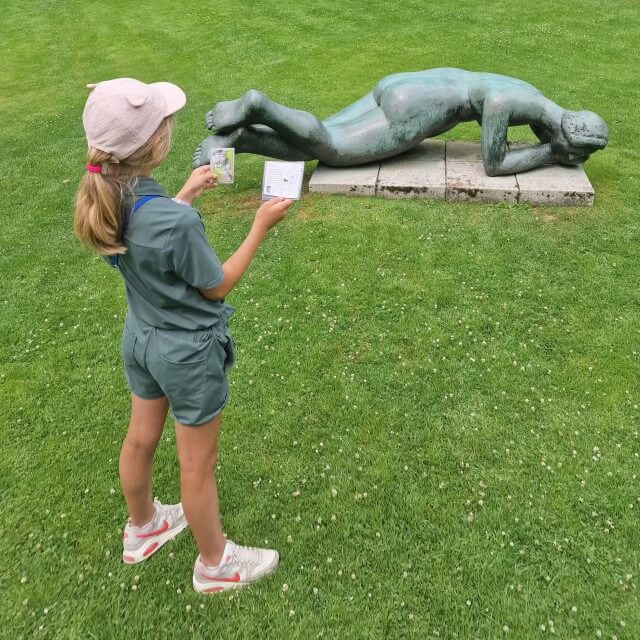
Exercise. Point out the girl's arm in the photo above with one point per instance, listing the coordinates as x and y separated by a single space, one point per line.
267 216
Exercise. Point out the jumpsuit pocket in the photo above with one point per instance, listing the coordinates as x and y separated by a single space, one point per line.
225 341
183 362
128 346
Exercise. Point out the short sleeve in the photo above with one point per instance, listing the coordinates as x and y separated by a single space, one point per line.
191 256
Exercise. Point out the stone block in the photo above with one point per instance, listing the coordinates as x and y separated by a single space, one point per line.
556 185
355 181
419 172
468 182
461 151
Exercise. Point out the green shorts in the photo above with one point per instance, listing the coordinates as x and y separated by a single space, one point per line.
188 367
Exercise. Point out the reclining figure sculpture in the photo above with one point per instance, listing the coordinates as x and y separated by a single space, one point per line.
402 110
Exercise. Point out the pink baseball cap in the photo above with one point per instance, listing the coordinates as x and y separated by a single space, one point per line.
121 115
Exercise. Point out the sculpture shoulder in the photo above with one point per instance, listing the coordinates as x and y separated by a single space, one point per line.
505 90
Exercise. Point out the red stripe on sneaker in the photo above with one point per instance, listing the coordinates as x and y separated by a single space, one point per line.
150 549
162 529
128 558
234 578
213 590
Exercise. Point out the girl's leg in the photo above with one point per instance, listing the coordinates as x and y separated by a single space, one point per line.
136 456
197 452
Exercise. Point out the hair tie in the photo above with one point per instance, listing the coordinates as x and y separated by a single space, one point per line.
93 168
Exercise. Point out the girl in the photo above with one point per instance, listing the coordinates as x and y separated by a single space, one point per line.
176 345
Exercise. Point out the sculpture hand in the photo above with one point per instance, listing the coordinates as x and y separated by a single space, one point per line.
570 159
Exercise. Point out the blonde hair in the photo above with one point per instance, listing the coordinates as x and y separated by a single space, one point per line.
99 210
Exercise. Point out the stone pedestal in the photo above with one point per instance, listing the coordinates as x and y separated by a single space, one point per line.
419 172
453 171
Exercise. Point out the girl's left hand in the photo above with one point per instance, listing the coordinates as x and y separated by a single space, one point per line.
200 180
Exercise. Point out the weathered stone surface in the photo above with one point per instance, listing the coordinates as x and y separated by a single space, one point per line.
556 185
462 151
467 182
355 181
416 173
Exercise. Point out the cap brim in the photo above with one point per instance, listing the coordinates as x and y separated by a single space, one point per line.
173 95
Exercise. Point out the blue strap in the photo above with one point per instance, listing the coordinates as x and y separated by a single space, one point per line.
115 260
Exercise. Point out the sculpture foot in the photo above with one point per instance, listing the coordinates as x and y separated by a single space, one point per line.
202 154
226 115
231 114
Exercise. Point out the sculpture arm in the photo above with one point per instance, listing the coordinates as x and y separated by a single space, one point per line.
496 157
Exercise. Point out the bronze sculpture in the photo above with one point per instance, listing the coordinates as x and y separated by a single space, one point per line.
402 110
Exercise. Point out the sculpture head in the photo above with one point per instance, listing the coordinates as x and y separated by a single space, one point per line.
584 132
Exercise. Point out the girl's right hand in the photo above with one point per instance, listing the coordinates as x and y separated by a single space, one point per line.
199 180
270 213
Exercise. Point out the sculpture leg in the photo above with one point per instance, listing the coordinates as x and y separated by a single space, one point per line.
365 138
301 129
355 110
253 139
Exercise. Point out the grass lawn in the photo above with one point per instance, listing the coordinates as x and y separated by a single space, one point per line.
435 409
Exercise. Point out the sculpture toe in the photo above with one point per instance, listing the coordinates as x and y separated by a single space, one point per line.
209 121
197 157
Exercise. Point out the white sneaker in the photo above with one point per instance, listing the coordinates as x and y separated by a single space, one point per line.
239 566
141 542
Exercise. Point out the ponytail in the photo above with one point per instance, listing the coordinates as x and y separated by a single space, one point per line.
98 216
99 209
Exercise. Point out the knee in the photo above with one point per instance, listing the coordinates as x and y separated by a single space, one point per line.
194 467
253 99
329 152
141 445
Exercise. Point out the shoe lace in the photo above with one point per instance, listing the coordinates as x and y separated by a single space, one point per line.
246 556
172 511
